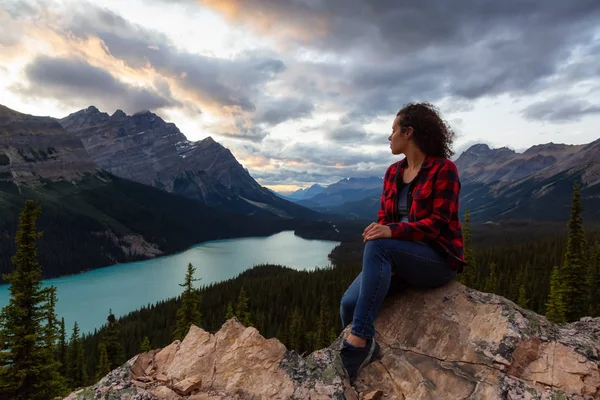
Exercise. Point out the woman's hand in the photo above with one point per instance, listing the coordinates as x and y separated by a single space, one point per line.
376 231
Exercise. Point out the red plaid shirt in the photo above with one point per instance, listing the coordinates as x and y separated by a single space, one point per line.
433 216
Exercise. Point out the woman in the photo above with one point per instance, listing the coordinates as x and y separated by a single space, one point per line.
417 238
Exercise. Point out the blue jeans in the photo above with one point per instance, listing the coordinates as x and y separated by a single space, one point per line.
412 263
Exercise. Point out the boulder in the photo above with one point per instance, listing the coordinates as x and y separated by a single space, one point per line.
448 343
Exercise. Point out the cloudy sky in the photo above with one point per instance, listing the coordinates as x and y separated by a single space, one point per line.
305 91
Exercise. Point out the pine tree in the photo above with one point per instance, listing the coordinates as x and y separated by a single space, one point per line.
469 276
145 346
76 370
323 331
555 307
50 336
189 311
229 313
112 341
62 348
332 335
523 301
491 283
574 271
241 308
593 281
296 331
103 367
28 369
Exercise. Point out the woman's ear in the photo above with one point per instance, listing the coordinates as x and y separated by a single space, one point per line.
409 132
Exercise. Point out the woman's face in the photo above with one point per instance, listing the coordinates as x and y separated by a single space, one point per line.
398 139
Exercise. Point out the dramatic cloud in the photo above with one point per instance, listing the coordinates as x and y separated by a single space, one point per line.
277 111
560 109
429 50
76 80
306 90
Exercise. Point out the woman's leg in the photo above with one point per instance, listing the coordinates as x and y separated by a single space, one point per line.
415 263
349 300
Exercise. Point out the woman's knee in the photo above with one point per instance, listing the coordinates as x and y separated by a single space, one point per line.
348 302
374 249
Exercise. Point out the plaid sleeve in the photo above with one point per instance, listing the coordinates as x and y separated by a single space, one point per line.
381 216
446 189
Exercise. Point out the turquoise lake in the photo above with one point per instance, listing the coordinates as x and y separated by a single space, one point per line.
87 297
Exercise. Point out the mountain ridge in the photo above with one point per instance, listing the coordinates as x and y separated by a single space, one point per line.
143 147
500 183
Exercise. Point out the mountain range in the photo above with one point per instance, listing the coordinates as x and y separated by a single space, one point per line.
146 149
92 217
497 184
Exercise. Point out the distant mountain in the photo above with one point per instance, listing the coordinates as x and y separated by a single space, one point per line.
91 218
498 184
344 191
304 194
144 148
536 184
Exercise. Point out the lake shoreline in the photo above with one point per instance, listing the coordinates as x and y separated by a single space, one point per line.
168 254
125 287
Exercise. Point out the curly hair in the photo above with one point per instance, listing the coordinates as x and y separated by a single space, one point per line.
431 133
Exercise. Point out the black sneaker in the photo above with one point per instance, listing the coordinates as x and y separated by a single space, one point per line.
355 358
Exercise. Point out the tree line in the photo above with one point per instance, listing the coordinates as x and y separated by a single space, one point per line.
555 275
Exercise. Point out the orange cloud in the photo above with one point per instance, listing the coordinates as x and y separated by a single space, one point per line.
266 21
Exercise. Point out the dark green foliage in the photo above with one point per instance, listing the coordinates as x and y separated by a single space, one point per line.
112 340
229 313
189 311
323 335
241 308
522 301
62 348
593 281
103 367
491 283
296 335
469 275
555 308
145 345
77 374
28 367
569 294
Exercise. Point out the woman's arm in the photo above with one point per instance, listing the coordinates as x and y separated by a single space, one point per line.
446 190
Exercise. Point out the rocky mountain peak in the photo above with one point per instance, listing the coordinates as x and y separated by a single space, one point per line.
92 110
479 346
547 147
144 148
119 114
478 149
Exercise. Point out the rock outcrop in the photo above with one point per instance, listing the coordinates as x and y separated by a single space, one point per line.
448 343
146 149
36 149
